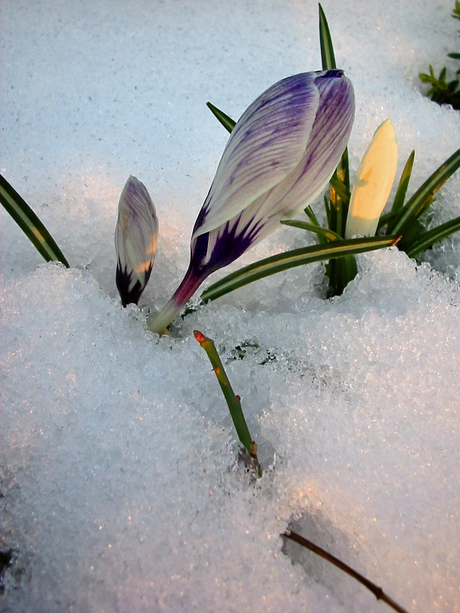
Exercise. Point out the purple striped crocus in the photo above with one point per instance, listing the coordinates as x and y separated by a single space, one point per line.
135 240
280 155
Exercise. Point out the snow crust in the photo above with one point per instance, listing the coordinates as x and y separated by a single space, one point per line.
120 486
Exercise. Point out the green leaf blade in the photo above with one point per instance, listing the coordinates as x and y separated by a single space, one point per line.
30 224
290 259
325 41
429 238
224 119
403 184
321 231
425 194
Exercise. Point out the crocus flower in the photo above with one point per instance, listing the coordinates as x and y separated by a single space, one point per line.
373 182
280 155
135 240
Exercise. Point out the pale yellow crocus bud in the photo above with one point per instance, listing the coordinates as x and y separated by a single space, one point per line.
373 182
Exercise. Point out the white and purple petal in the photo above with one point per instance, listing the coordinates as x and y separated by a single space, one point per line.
279 157
328 138
135 240
265 145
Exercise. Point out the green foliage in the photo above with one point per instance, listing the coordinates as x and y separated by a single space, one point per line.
456 10
402 226
443 91
30 224
290 259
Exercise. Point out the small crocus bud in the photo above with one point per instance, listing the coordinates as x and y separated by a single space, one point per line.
373 182
135 240
280 155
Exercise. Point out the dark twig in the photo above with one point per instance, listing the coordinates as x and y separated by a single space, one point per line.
377 591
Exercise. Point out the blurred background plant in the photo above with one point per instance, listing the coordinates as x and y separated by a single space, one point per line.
443 91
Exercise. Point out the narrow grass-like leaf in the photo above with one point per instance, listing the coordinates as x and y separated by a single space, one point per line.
327 206
411 234
233 401
403 184
290 259
325 41
429 238
386 219
336 223
340 272
329 235
341 189
224 119
420 200
339 208
312 217
30 224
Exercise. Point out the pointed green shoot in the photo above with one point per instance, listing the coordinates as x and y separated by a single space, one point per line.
427 239
339 207
325 41
224 119
421 199
290 259
233 401
30 224
403 183
312 217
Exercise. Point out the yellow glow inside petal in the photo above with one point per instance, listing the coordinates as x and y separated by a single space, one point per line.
152 248
373 182
143 267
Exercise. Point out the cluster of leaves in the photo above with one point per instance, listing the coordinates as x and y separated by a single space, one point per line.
402 226
443 91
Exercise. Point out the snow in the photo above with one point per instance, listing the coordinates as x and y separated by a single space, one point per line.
120 486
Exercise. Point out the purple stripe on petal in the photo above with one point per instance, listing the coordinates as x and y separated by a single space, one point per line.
279 157
266 144
135 240
327 140
129 288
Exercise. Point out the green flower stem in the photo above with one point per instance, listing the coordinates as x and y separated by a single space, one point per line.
233 401
340 272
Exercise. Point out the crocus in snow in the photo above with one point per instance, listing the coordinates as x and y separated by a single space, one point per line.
135 240
373 182
280 155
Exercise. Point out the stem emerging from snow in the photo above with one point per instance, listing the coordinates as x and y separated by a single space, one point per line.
233 401
377 591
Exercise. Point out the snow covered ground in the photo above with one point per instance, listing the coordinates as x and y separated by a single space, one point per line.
120 488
